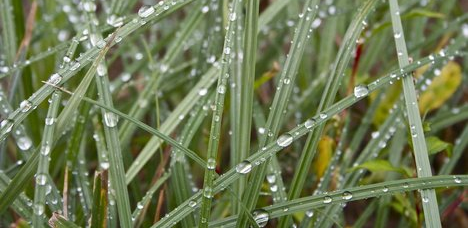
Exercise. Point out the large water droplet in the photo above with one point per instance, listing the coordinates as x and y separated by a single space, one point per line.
347 195
244 167
361 91
24 143
284 140
25 106
211 163
145 11
327 199
41 179
261 217
110 119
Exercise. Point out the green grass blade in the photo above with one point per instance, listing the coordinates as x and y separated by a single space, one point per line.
43 166
429 199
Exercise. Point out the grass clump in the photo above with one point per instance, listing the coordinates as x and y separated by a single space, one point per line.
182 113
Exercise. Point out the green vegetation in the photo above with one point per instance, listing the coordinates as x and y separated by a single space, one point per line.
233 113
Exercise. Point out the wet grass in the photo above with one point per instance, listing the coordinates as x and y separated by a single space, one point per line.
184 113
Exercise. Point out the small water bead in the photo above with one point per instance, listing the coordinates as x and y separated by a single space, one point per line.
274 188
101 70
232 16
397 35
327 199
211 163
414 134
49 121
457 180
261 130
271 178
24 143
323 116
7 125
208 192
261 217
25 106
205 9
347 195
465 30
221 89
309 123
405 185
139 206
284 140
104 165
54 79
192 203
286 81
110 119
45 150
361 91
309 214
115 21
227 50
244 167
41 179
38 209
425 199
74 65
145 11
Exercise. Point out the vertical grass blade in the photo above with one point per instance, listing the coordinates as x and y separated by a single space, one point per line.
42 174
423 166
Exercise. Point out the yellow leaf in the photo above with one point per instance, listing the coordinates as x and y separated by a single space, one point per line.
441 88
325 151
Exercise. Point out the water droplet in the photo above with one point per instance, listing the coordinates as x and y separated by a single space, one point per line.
104 165
361 91
327 199
54 79
74 65
208 192
24 143
139 206
347 195
145 11
49 121
457 180
25 106
397 35
205 9
261 217
323 115
286 81
385 189
309 214
309 123
45 150
110 119
101 70
271 178
7 125
425 199
414 133
284 140
115 21
89 6
274 188
227 50
244 167
41 179
211 163
465 30
232 16
405 185
221 89
38 209
261 130
192 203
